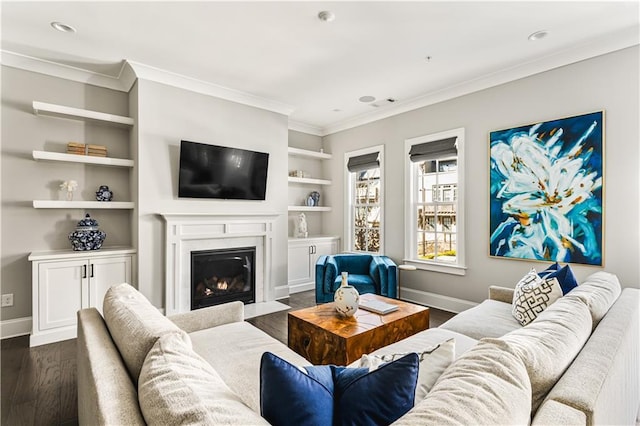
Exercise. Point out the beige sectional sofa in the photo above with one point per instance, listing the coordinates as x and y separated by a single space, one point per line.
577 363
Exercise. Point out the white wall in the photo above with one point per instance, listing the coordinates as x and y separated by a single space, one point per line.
167 115
608 82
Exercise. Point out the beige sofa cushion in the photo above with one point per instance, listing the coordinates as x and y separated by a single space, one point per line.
178 387
556 413
488 319
598 292
603 378
235 350
135 325
548 345
487 385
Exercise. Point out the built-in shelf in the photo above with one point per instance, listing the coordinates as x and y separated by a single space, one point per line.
54 204
309 181
298 152
61 111
85 159
309 209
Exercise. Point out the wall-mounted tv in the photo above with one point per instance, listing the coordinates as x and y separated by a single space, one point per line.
212 171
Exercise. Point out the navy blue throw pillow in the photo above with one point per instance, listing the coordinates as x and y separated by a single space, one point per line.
329 395
564 275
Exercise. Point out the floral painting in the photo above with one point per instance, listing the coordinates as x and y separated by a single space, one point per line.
546 190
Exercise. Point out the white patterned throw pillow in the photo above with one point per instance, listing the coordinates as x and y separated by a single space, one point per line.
433 361
533 295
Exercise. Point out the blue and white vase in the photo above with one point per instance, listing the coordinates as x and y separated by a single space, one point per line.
346 298
104 193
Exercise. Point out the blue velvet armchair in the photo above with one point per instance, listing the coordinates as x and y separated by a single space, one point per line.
367 273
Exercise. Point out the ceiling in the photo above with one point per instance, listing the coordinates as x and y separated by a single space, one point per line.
282 52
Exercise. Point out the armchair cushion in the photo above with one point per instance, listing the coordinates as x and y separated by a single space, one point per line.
367 273
363 283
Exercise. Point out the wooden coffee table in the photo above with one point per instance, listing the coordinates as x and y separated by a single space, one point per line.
322 336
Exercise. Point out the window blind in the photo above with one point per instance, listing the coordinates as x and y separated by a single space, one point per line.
435 150
364 162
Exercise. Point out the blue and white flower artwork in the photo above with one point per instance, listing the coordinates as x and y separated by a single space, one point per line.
546 190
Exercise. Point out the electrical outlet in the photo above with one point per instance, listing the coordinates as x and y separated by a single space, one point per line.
7 300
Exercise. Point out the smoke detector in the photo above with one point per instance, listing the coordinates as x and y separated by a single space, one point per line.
326 16
63 27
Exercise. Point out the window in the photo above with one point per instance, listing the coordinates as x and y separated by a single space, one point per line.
364 206
434 202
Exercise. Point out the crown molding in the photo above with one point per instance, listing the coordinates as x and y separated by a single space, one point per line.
617 41
310 129
158 75
132 70
67 72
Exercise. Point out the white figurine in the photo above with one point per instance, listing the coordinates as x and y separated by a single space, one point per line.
302 226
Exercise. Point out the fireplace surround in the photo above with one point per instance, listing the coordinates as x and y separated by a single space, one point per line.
194 232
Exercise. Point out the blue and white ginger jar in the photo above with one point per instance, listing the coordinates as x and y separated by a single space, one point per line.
104 193
87 236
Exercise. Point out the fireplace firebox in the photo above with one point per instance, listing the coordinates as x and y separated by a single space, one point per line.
223 275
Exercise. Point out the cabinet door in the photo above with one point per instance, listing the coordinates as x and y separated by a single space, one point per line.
300 269
323 248
105 272
62 291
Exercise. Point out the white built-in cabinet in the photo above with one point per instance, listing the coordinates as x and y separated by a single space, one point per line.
304 252
302 258
66 281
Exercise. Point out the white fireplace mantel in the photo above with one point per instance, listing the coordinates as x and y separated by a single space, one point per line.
187 232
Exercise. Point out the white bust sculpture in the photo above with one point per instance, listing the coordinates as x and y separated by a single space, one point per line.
302 226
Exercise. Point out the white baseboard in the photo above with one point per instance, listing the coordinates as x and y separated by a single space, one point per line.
301 287
445 303
281 292
15 327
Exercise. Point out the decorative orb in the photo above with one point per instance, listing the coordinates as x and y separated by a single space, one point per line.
346 300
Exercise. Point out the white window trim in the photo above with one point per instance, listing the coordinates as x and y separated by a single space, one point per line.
348 211
410 219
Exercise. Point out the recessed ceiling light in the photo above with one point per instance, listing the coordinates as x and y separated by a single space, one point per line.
367 99
336 110
326 16
63 27
428 59
538 35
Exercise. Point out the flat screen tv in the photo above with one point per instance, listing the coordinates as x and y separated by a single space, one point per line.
212 171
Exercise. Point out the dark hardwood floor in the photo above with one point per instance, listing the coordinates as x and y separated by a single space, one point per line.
38 385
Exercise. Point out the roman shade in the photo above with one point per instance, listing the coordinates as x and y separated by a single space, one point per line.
364 162
435 150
